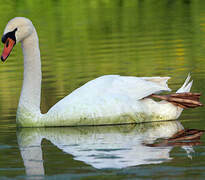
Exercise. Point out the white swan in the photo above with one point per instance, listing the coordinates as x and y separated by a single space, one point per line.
110 99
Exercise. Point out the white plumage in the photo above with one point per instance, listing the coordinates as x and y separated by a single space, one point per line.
110 99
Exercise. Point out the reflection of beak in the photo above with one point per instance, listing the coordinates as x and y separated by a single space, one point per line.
8 46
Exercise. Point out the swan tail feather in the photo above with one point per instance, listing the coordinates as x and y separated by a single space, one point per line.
183 97
186 87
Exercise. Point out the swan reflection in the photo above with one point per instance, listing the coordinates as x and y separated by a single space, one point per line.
108 146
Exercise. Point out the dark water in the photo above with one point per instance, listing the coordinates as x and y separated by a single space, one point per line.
81 40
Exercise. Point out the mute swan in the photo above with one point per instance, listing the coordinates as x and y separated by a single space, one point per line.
110 99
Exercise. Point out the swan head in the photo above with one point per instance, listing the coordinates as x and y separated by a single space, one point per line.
16 31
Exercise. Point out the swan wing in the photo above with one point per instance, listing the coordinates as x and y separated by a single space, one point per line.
109 86
138 88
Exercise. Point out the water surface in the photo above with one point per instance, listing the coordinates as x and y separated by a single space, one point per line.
81 40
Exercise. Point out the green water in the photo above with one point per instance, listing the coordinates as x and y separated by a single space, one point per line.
81 40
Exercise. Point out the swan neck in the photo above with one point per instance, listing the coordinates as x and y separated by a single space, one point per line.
31 88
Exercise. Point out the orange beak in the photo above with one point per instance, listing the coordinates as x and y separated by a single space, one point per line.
8 46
